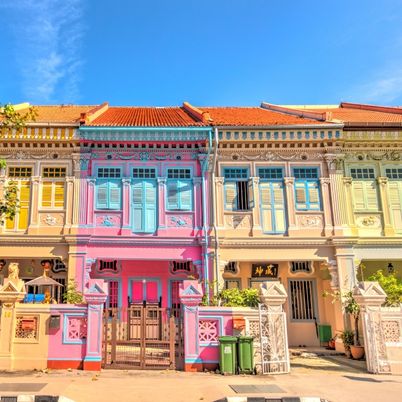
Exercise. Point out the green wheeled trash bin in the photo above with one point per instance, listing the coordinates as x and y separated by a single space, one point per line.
227 354
245 355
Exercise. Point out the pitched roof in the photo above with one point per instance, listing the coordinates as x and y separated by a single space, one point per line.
254 116
355 114
172 116
57 113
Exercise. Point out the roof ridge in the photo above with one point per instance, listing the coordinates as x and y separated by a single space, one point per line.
319 116
197 113
374 108
91 115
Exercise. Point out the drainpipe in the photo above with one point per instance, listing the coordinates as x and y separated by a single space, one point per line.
213 212
204 169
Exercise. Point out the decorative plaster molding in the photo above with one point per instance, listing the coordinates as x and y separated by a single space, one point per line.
347 181
371 221
238 221
310 220
180 221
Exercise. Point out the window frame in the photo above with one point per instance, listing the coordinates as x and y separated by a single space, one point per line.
109 183
306 182
179 195
314 305
237 180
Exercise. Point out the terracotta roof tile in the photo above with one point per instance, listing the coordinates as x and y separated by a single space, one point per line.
253 116
146 117
59 113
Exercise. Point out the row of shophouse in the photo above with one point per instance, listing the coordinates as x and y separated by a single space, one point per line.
146 197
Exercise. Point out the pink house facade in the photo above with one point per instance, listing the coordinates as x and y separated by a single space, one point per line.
143 192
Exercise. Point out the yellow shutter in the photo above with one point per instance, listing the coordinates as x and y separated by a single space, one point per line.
358 195
395 203
59 194
23 217
47 194
371 195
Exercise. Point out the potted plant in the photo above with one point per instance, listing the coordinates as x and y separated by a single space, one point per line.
347 339
353 308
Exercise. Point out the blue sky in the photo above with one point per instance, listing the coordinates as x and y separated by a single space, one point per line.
207 52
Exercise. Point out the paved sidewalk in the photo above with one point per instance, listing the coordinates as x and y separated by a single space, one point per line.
315 377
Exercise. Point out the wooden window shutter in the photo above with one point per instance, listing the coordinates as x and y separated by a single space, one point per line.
150 207
59 194
230 195
101 195
47 194
137 207
114 195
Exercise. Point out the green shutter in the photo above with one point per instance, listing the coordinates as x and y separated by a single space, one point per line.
185 195
114 195
172 196
395 203
150 206
230 195
101 195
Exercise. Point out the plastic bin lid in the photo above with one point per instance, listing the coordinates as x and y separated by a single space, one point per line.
227 339
246 338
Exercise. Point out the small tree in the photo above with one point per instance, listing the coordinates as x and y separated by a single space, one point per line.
72 295
392 287
11 119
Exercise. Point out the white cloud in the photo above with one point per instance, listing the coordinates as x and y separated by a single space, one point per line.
48 34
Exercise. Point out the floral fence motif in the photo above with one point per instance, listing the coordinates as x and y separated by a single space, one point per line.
77 328
208 330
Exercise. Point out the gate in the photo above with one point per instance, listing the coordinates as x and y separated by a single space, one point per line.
139 337
273 341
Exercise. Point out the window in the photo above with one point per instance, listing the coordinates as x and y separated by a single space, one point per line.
307 191
272 200
238 189
178 267
395 195
53 194
231 267
113 294
19 171
302 301
364 187
144 205
108 189
300 266
179 189
232 283
21 219
52 172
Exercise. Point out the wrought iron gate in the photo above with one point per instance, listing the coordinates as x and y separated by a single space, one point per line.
140 337
273 341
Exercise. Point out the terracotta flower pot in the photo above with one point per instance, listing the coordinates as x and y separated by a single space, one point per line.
357 352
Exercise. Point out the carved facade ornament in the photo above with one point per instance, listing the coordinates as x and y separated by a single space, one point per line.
50 220
238 221
310 220
325 181
180 221
289 181
347 181
371 221
219 180
382 181
374 155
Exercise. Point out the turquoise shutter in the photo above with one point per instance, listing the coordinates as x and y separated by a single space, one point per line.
230 195
114 195
101 195
172 196
185 195
313 195
266 207
279 207
137 207
150 206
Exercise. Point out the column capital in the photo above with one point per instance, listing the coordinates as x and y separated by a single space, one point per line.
347 181
325 181
91 181
161 181
70 179
289 181
219 180
197 180
382 180
255 179
334 161
36 179
126 181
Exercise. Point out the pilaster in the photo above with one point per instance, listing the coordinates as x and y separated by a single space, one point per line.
291 209
126 203
256 207
162 201
326 201
35 195
91 183
69 201
219 201
386 213
197 181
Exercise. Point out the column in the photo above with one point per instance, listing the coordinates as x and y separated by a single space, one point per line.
11 292
256 225
162 206
345 258
221 270
219 202
290 204
95 296
198 202
77 266
35 194
386 213
2 184
90 201
190 295
69 201
347 187
326 201
337 194
126 203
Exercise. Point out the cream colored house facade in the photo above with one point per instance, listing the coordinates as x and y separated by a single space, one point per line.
44 160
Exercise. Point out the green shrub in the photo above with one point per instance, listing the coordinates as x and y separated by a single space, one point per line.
392 287
72 295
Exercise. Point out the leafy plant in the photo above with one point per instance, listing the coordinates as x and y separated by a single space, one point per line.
9 203
14 120
392 287
347 337
72 295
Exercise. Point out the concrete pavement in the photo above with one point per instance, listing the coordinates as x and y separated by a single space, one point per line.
315 377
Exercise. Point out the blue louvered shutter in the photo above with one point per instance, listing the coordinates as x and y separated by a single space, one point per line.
172 194
114 195
185 195
137 207
102 195
150 206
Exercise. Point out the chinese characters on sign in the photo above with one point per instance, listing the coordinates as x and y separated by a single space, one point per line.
264 271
